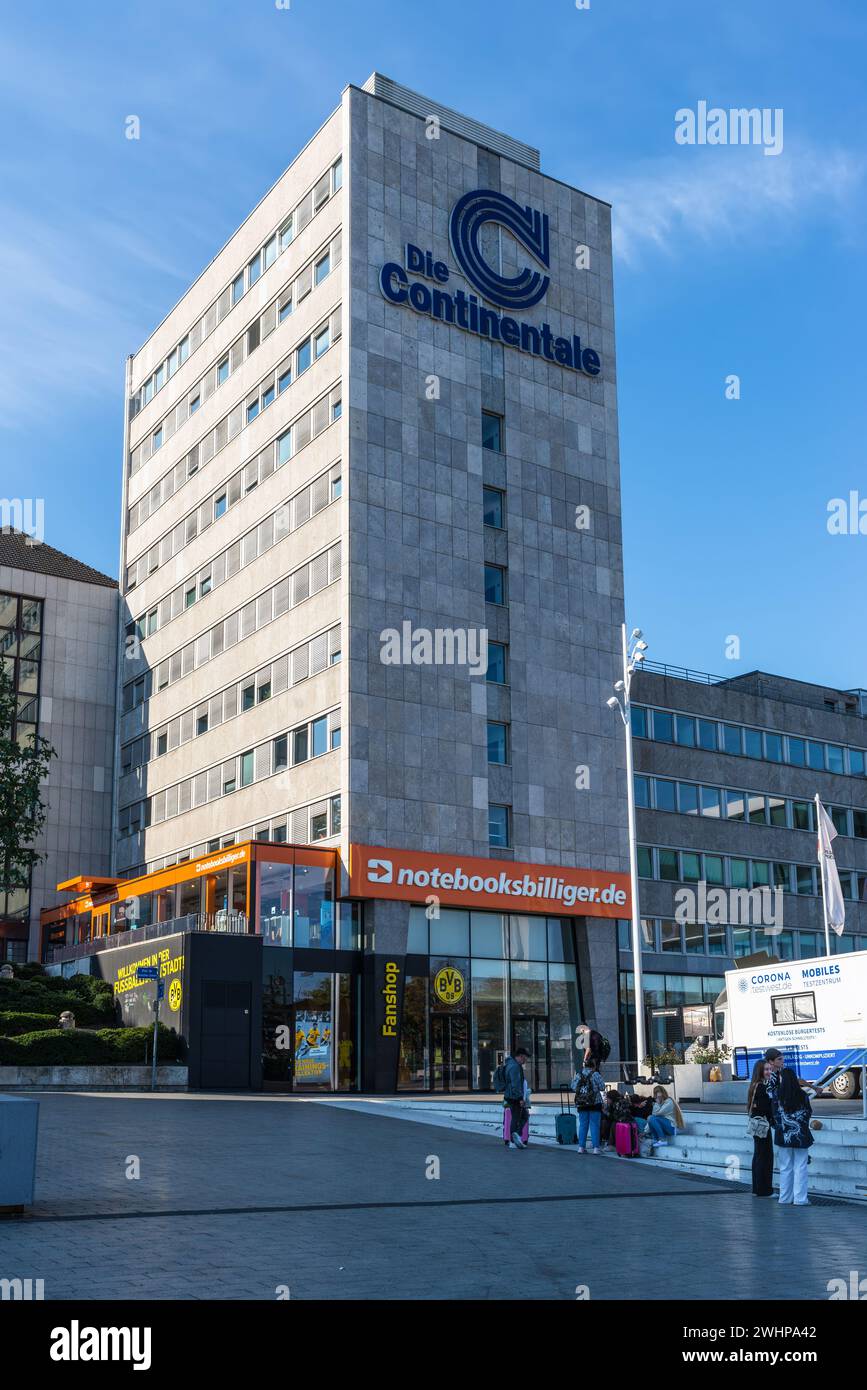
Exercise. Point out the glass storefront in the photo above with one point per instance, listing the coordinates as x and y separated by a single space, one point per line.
310 1023
478 983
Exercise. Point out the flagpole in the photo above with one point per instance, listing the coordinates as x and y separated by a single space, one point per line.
821 854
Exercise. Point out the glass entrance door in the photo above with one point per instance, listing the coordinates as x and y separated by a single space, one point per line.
450 1052
531 1031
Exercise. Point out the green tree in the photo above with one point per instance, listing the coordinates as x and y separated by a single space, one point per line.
23 766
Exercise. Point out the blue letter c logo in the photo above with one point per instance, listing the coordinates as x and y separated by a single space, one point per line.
528 226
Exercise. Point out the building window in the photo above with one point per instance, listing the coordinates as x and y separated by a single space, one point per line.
498 743
496 672
321 342
492 431
237 289
223 371
201 725
220 504
498 827
319 730
319 826
495 584
300 745
322 268
254 270
494 507
281 753
246 769
303 357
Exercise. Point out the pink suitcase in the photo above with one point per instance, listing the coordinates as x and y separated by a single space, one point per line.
626 1139
507 1126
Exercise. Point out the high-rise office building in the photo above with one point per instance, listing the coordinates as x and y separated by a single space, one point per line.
371 563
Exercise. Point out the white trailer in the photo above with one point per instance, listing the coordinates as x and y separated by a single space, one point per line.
814 1011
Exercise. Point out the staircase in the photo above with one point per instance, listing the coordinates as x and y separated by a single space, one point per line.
714 1143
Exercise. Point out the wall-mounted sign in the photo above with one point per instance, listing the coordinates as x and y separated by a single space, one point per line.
469 215
495 884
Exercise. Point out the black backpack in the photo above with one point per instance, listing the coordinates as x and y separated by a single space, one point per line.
585 1093
500 1078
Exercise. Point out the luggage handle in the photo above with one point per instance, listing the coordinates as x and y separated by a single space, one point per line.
567 1091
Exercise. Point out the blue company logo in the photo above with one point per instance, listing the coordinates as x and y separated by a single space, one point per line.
463 309
527 225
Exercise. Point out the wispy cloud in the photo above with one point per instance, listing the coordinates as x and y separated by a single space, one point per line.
717 194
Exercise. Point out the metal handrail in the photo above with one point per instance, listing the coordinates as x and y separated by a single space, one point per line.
235 923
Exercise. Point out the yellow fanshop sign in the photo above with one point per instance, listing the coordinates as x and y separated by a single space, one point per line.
449 985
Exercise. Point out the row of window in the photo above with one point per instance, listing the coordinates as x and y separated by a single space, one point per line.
312 202
319 820
262 326
494 514
306 659
289 517
491 935
697 939
308 579
725 870
309 740
309 425
20 654
665 726
757 808
241 414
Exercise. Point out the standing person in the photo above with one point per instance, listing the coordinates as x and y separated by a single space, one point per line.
791 1118
513 1098
589 1100
759 1108
665 1119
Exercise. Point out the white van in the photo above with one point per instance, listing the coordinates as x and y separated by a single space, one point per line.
814 1011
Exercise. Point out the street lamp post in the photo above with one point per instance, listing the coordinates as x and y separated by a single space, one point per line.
633 655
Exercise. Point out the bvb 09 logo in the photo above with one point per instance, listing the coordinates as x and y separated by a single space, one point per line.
175 995
449 985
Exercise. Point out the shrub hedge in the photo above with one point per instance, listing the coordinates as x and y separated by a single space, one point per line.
75 1047
93 1007
13 1022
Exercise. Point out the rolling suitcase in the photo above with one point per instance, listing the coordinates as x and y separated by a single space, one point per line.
566 1124
507 1125
626 1139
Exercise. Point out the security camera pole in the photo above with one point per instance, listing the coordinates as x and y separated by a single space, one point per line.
633 655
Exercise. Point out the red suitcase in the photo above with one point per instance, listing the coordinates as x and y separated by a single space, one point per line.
626 1139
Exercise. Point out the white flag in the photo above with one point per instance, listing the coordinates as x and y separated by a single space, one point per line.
835 909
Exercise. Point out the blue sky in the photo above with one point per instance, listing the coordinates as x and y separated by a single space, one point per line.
727 260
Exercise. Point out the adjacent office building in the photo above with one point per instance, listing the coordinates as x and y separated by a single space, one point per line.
726 775
58 637
371 570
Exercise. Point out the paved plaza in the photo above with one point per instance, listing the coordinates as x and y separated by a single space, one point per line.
241 1197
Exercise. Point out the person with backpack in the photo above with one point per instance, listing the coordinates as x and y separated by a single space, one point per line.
791 1121
509 1078
593 1043
589 1091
